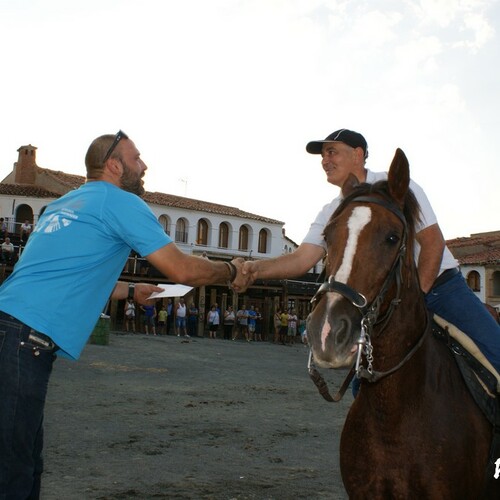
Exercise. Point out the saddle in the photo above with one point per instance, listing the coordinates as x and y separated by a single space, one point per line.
480 377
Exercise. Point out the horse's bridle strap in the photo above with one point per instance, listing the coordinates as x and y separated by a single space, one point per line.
383 203
357 299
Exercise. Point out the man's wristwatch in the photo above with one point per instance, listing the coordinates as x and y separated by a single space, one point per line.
131 290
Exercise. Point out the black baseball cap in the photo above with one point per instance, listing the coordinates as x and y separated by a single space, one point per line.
349 137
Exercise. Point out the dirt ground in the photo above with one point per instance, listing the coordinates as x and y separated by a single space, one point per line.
155 417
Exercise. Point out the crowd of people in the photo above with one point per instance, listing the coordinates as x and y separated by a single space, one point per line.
247 323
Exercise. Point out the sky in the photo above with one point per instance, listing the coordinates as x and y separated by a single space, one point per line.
222 96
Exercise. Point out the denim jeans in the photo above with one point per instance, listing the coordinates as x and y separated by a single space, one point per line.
455 302
25 367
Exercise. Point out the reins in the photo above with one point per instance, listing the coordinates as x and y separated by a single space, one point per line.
369 313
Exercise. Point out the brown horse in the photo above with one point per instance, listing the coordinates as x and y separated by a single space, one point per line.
413 431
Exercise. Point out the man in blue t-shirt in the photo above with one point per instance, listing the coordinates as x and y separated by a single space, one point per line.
70 266
252 316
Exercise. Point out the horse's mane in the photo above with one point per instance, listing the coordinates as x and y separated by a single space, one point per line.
410 209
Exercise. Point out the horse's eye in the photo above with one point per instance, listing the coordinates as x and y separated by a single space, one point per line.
393 239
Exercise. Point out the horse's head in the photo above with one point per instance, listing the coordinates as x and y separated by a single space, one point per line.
369 255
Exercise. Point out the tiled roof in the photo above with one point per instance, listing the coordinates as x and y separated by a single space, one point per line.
26 190
163 199
486 239
70 180
478 249
170 200
491 256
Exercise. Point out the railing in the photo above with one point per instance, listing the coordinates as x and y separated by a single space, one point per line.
14 227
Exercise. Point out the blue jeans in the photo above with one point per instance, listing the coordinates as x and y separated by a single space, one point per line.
455 302
25 368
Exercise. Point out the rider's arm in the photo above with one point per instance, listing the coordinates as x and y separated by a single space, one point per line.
432 245
290 265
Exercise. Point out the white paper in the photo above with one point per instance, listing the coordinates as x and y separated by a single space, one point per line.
171 291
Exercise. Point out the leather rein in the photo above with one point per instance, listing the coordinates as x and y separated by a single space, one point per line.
369 313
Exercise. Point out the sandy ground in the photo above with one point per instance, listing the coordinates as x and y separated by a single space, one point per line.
156 417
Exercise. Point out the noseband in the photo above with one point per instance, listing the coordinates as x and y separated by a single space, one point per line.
369 312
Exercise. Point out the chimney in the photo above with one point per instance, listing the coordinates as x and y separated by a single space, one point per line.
26 165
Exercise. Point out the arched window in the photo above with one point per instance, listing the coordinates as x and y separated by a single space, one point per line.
262 241
223 235
165 223
181 231
243 238
202 235
496 283
474 281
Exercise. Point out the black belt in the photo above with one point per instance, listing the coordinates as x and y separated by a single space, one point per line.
445 276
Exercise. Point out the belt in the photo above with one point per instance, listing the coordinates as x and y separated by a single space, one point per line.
445 276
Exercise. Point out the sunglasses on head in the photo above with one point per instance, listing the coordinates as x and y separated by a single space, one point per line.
118 137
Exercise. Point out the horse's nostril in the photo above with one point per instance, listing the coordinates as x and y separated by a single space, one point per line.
342 331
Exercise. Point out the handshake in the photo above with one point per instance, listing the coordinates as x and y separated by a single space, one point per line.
246 274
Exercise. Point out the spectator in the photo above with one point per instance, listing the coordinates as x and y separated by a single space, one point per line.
192 320
170 316
242 318
162 321
7 252
229 318
292 326
180 318
258 325
252 315
3 228
283 327
129 314
149 318
213 320
25 231
277 325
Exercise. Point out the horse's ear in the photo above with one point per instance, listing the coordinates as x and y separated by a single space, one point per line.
399 177
349 185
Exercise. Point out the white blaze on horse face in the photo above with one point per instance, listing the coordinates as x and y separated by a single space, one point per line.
359 218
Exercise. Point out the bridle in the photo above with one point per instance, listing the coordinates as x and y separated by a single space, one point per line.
370 313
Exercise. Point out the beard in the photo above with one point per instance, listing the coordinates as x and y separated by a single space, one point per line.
131 181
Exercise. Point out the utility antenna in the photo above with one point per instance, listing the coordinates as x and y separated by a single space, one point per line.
185 182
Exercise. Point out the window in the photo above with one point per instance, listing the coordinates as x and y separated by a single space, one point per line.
474 281
243 239
164 222
223 235
262 241
496 283
202 234
181 234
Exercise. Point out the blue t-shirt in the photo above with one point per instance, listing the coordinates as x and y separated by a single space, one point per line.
252 315
73 259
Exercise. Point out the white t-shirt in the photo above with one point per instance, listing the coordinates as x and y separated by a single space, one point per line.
181 310
428 218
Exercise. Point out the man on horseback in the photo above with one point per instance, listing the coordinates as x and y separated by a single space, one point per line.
344 152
